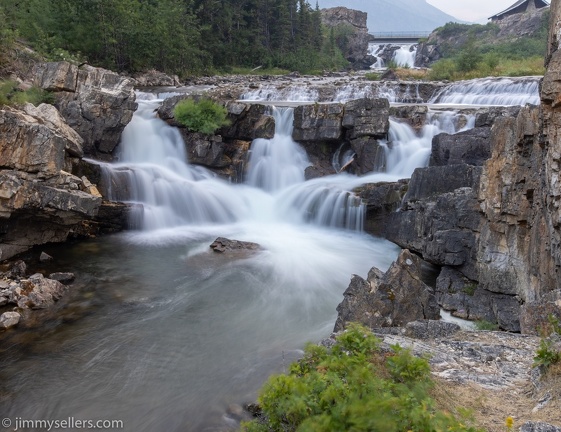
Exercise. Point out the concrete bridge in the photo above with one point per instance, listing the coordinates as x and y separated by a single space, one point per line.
398 37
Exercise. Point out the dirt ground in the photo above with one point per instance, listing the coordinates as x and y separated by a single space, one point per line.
490 408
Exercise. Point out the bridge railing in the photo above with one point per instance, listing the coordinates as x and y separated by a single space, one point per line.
400 35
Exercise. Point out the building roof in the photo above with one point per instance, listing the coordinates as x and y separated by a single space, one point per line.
539 4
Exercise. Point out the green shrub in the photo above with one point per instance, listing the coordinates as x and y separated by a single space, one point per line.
442 70
204 116
486 325
547 355
11 95
347 388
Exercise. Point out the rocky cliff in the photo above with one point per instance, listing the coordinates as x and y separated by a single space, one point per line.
42 200
350 25
487 211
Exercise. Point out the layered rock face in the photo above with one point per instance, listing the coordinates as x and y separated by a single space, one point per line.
355 49
95 102
40 201
487 211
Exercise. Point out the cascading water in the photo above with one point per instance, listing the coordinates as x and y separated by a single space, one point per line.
171 333
490 91
405 55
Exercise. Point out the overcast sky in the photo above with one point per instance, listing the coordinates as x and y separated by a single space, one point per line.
472 10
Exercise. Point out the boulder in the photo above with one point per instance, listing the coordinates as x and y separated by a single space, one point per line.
63 277
248 122
536 426
95 102
27 144
318 122
154 78
386 300
222 244
471 147
382 200
366 118
38 292
353 23
206 150
370 155
534 315
435 180
430 329
442 228
9 319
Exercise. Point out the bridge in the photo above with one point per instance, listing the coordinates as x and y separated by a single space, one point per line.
398 37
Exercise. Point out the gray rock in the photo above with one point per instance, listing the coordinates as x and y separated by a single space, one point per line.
355 48
64 278
39 292
222 244
382 200
95 102
430 329
534 315
366 118
532 426
391 299
9 319
44 257
435 180
318 122
471 147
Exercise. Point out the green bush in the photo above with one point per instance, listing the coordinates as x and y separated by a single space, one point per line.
442 70
204 116
350 387
486 325
11 95
546 354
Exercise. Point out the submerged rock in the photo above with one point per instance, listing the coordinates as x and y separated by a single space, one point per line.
222 244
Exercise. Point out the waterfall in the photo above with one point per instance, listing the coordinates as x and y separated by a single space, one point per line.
279 162
406 149
153 171
490 91
405 55
375 50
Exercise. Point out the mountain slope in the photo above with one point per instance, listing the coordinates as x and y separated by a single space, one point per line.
396 15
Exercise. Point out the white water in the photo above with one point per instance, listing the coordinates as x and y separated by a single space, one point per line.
179 332
405 55
490 91
376 50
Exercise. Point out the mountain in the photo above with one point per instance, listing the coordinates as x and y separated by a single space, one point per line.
395 15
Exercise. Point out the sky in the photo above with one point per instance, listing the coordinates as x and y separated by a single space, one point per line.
472 10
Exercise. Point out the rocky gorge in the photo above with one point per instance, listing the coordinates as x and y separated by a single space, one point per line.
483 215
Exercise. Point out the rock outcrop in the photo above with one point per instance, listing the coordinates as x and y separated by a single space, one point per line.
386 300
95 102
509 29
40 201
355 49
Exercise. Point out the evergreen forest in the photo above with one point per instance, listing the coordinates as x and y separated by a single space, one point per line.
184 37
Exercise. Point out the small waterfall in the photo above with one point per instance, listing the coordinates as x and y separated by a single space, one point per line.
405 55
407 149
278 162
490 91
153 171
375 50
291 93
